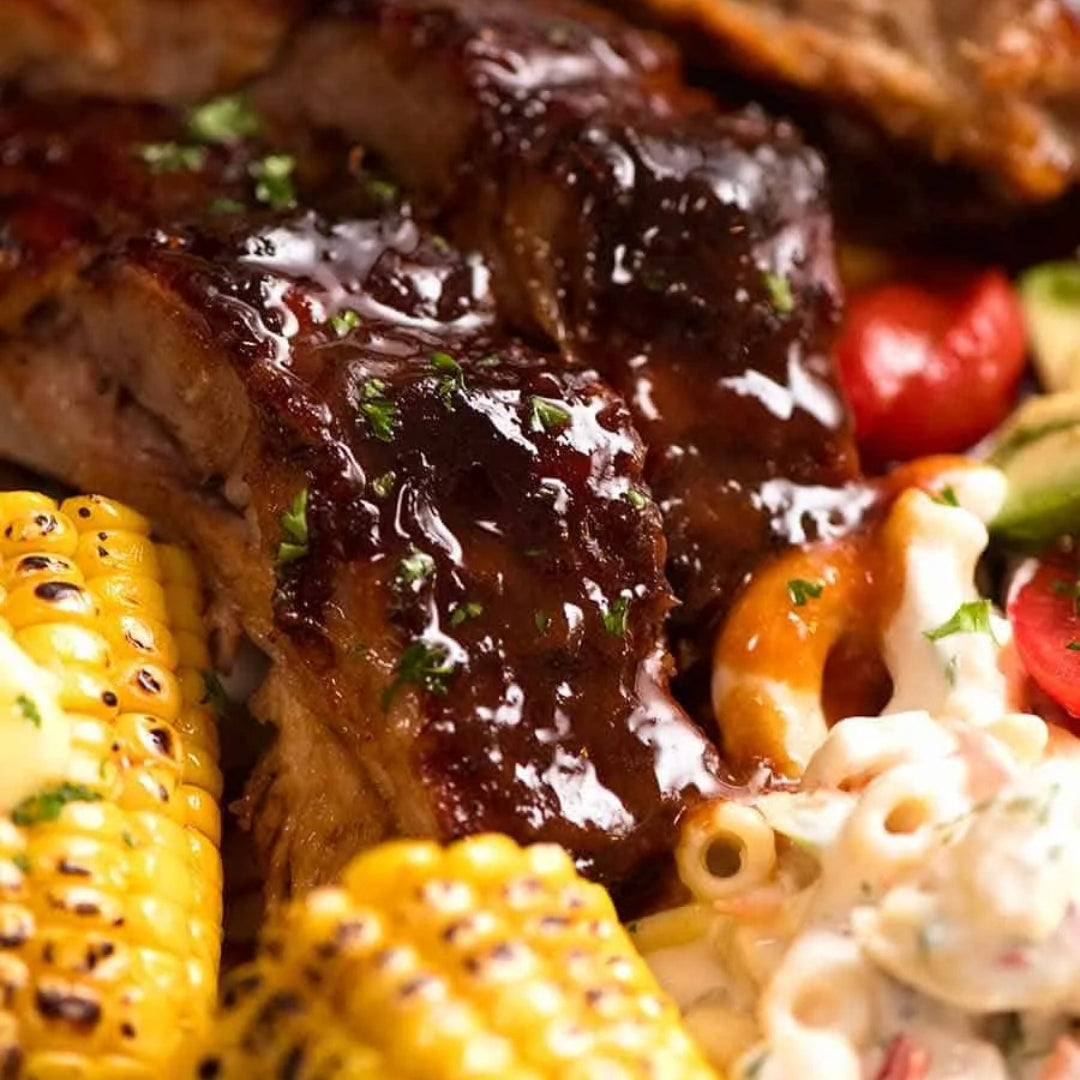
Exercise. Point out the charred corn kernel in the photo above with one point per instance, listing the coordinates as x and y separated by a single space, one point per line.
110 877
480 960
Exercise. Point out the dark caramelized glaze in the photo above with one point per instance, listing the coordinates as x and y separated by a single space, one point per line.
684 253
478 615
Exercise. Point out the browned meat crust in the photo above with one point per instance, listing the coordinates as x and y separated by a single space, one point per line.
140 49
685 254
471 635
995 83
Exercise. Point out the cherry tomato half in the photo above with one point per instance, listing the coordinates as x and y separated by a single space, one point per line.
931 370
1044 609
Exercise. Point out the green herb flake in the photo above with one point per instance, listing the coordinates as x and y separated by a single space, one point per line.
779 289
128 839
947 496
542 620
383 190
47 805
415 567
171 157
800 591
1070 589
226 206
423 665
22 862
214 693
380 413
273 181
223 120
637 498
451 377
463 612
344 321
1073 646
615 618
383 485
295 538
972 617
28 709
547 415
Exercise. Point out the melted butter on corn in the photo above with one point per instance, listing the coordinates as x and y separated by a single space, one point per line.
110 879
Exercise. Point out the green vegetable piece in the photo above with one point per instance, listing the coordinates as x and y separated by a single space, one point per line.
379 411
344 321
1050 295
463 612
223 120
801 591
416 567
171 157
615 618
424 665
273 181
46 805
294 531
972 617
451 377
547 415
779 289
29 710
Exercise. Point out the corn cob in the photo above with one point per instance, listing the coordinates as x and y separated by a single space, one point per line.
476 961
110 878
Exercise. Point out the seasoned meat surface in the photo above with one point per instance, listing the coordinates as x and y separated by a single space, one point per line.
437 533
994 83
684 253
140 49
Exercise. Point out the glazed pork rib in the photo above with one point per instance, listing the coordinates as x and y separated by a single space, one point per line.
994 83
683 253
437 533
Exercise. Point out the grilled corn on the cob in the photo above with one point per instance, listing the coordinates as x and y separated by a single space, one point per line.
481 960
110 879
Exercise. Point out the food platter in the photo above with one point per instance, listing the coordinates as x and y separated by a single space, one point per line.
510 568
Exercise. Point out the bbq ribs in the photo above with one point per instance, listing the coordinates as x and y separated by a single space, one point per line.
465 616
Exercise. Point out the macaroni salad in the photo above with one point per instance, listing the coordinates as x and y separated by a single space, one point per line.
911 910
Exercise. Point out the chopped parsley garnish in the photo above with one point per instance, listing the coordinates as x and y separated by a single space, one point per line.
637 498
423 665
451 377
226 206
542 620
273 181
801 590
779 292
381 413
295 540
383 485
616 615
214 693
970 618
47 804
128 839
223 119
384 191
1070 589
1073 646
344 321
546 415
29 710
415 567
947 496
21 862
171 157
463 612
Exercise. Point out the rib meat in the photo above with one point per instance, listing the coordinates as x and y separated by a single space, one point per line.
469 636
995 83
683 253
140 49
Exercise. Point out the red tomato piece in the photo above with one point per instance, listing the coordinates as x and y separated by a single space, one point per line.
904 1061
931 371
1044 609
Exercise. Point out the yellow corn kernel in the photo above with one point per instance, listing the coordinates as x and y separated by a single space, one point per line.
110 880
474 962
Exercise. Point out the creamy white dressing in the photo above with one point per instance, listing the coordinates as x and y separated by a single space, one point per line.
922 918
